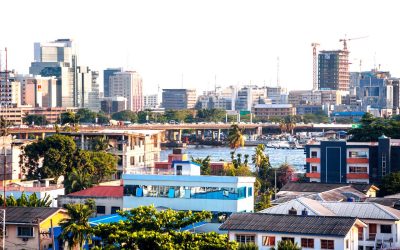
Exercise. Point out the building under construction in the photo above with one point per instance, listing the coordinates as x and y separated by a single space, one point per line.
333 70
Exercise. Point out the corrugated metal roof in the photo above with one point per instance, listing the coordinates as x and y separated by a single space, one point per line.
101 191
363 210
312 206
29 215
290 224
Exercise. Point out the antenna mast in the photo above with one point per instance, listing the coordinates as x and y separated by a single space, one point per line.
278 84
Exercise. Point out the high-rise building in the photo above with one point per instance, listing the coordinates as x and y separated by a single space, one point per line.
10 89
178 99
248 96
151 101
58 59
333 70
128 84
94 94
106 79
74 83
36 91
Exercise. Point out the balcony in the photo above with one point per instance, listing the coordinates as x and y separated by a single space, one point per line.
313 175
313 160
357 160
357 176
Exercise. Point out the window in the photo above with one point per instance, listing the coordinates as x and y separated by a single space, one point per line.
288 239
242 238
358 154
386 229
327 244
372 231
347 244
179 170
314 154
114 210
132 160
307 243
268 241
242 192
354 169
25 231
249 191
314 169
360 233
101 209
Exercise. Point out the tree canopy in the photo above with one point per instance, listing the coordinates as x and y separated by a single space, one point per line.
125 115
147 228
371 128
390 184
35 120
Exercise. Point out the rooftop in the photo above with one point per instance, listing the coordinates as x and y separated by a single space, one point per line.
117 132
318 187
29 215
299 204
363 210
101 191
291 224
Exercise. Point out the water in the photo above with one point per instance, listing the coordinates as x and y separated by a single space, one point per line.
294 157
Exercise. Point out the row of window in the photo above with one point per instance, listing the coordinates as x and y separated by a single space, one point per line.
270 241
188 192
352 154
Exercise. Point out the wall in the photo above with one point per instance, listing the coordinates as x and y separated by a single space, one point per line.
108 202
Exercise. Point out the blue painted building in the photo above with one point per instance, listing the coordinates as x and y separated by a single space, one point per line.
352 162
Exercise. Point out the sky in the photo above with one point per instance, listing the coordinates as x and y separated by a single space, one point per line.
195 44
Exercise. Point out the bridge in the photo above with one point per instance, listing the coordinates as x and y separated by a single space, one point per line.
175 131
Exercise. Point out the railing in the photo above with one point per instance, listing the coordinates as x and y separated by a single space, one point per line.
150 171
34 189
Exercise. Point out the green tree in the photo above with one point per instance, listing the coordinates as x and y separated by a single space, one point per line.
76 229
27 200
248 246
102 118
262 166
55 151
70 118
264 201
35 120
235 137
99 143
390 184
126 115
86 116
286 245
205 167
3 126
147 228
105 165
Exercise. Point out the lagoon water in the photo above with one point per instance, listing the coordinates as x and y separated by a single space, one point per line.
294 157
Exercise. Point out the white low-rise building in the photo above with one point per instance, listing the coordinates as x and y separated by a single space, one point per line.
309 232
183 188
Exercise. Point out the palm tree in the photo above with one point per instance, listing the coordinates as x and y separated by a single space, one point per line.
259 155
205 167
235 137
76 229
79 180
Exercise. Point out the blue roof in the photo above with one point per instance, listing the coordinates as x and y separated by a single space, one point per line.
106 219
186 162
350 113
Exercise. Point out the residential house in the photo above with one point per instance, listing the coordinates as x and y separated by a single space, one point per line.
24 226
383 223
309 232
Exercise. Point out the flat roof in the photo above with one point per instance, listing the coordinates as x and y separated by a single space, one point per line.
190 178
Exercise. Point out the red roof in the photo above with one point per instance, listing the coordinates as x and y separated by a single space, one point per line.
101 191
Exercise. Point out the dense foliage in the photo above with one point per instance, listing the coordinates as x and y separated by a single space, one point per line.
287 245
390 184
58 155
39 120
147 228
371 128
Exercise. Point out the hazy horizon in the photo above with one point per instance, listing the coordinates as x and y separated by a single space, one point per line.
236 42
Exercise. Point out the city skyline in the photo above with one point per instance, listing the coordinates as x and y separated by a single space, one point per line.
226 42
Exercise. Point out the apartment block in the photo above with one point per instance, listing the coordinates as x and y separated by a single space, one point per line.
333 70
352 162
266 111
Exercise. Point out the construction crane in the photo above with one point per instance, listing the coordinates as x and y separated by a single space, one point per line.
345 40
315 81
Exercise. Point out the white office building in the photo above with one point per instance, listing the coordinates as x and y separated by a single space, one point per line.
183 188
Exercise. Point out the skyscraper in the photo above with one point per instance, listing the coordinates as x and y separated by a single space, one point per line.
106 74
128 84
74 83
333 70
